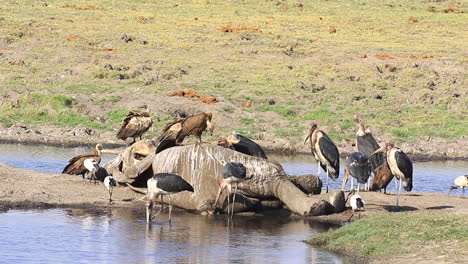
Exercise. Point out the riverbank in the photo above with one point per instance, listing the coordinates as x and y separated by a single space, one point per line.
420 149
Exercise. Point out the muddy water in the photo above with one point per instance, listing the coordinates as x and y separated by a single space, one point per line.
121 236
434 176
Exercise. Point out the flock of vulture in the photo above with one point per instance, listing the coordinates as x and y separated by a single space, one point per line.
383 162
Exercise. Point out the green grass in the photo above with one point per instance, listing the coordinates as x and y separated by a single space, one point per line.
276 50
405 233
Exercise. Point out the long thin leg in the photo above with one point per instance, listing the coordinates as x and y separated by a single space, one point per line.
318 169
110 195
358 187
149 211
170 208
352 183
463 191
228 197
345 179
328 178
233 201
398 195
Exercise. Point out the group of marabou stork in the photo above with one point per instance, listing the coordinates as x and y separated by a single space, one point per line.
369 159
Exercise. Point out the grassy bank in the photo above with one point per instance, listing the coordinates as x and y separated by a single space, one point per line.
401 65
401 235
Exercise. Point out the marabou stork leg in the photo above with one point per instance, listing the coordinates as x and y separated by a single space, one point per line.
233 201
398 195
228 197
358 187
318 168
149 211
170 208
110 195
345 179
463 192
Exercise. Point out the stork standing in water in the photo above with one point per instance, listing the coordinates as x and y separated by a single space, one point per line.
233 174
401 167
460 181
325 152
357 166
110 183
164 184
76 164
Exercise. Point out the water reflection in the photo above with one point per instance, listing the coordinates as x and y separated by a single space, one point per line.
121 236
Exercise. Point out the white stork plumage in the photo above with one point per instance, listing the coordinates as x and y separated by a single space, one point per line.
401 167
92 166
325 152
460 182
110 183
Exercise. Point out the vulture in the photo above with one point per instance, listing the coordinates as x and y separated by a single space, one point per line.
76 165
325 152
135 124
401 167
242 144
193 125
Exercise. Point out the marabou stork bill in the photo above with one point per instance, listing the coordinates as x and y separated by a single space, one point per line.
92 166
366 144
135 124
110 183
192 125
325 152
460 182
401 167
357 166
76 164
243 144
233 174
164 184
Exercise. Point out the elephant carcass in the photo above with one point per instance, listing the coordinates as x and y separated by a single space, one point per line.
133 164
201 166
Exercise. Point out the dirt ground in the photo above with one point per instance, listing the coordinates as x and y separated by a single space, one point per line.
421 148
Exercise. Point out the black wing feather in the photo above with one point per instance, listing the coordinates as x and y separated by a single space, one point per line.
249 147
172 183
406 167
358 166
234 169
367 145
330 152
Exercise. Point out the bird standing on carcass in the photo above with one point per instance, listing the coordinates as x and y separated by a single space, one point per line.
135 124
460 181
366 144
357 166
233 174
163 184
110 183
325 152
401 167
76 164
192 125
242 144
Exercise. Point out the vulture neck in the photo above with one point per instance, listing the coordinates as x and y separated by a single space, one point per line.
97 152
361 129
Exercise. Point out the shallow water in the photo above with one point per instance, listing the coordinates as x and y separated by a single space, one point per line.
121 236
433 176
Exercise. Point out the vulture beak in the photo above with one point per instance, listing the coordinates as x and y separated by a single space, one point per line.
381 149
307 136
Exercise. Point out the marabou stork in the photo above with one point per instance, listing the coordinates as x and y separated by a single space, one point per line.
242 144
401 167
164 184
135 124
233 174
92 166
325 152
192 125
460 181
357 166
76 164
110 183
366 144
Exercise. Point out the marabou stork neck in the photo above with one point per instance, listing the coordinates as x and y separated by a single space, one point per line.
366 144
233 174
325 152
401 167
357 166
164 184
460 182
